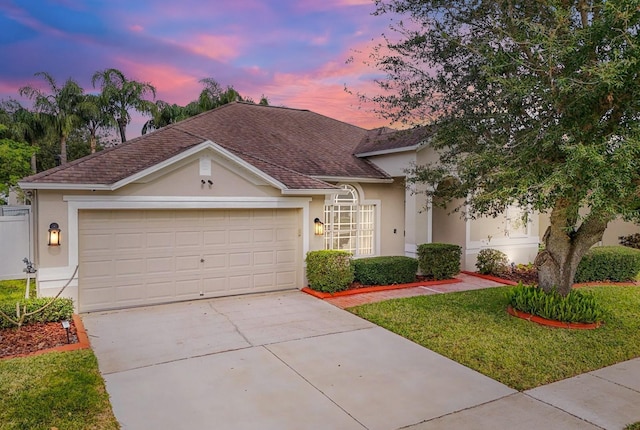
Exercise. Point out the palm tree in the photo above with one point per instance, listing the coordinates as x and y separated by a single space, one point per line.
58 109
95 116
163 115
123 95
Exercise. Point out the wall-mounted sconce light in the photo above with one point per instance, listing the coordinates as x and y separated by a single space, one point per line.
319 227
54 234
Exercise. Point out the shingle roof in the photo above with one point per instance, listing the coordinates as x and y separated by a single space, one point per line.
387 139
292 146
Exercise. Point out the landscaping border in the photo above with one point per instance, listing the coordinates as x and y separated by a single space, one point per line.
375 288
490 278
578 285
82 343
552 323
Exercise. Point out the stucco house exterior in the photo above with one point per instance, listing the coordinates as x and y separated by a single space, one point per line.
226 203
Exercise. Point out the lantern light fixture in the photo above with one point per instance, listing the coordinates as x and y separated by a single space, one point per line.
54 234
319 227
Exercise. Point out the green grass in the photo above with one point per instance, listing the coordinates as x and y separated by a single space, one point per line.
473 328
13 290
634 426
62 390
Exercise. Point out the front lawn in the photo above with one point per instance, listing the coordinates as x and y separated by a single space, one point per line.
54 390
13 290
473 328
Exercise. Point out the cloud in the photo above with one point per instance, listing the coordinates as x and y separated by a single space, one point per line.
221 48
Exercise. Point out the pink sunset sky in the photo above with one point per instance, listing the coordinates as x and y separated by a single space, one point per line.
293 52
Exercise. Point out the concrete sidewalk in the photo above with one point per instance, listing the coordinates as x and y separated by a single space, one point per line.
290 361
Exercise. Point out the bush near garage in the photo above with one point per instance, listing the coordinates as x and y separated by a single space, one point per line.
439 260
60 309
329 270
609 263
385 270
491 262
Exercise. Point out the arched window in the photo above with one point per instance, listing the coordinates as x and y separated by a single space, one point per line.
349 225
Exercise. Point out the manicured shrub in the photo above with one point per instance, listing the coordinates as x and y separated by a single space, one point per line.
385 270
491 262
609 263
60 309
329 271
439 260
577 306
632 240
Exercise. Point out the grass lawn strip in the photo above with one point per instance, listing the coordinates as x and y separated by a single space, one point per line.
61 390
473 328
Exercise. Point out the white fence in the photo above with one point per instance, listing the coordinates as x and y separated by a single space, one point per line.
15 241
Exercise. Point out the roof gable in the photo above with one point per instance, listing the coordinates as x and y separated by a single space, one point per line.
289 147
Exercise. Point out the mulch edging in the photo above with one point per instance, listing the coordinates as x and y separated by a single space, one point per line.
552 323
490 278
376 288
83 342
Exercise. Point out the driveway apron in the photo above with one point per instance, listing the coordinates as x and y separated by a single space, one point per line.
272 361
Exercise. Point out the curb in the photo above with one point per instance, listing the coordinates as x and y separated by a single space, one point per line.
83 342
376 288
552 323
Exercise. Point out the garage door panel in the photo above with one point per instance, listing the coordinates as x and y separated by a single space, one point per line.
160 240
215 238
161 265
129 241
215 261
263 235
187 263
239 237
239 259
188 239
133 257
262 258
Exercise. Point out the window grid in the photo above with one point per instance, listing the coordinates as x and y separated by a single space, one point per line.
348 225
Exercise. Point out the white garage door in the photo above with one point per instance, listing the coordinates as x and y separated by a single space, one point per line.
138 257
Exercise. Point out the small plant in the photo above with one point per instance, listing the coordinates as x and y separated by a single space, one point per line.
609 263
491 262
329 271
577 306
385 270
439 260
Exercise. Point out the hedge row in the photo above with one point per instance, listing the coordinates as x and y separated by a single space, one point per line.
60 309
609 263
331 271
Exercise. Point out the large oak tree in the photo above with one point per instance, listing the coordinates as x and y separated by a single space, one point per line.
532 102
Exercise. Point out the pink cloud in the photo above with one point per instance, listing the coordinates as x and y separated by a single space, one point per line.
221 48
172 84
137 28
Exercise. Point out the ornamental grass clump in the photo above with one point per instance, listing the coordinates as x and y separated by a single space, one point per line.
576 307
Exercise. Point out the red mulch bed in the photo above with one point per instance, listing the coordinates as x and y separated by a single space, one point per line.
35 337
526 275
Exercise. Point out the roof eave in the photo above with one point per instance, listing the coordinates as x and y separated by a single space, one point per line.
354 179
388 151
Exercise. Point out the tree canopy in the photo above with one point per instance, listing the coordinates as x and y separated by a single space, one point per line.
531 103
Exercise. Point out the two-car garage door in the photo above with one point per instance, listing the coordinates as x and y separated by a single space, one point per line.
138 257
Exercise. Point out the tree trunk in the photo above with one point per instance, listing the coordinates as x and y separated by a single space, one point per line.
565 246
63 150
92 143
122 127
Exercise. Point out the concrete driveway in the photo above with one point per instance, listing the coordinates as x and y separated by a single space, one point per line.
273 361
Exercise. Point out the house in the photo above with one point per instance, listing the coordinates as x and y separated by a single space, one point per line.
230 201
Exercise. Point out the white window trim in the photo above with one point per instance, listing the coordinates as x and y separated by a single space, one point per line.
376 203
